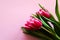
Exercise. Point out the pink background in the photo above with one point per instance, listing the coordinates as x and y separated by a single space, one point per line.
14 13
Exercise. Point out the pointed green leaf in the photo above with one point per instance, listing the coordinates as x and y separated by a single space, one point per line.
47 26
57 10
56 25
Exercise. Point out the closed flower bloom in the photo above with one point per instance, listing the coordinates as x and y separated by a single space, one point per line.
44 13
33 24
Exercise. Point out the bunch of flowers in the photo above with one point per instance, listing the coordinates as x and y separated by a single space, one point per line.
43 25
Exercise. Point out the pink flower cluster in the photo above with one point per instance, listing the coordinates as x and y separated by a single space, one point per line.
43 13
34 23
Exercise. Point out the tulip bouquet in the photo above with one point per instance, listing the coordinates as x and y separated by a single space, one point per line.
43 25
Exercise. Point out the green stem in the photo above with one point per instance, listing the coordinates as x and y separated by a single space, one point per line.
36 34
57 37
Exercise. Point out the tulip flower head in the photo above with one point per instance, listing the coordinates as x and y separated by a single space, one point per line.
33 24
44 13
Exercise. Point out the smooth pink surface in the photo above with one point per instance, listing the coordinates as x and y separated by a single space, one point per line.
14 13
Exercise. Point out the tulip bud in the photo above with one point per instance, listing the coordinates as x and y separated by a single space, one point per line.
44 13
33 24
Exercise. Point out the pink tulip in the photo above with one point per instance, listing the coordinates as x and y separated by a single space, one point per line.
33 24
43 13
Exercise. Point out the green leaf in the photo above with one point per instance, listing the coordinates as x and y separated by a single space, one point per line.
54 22
47 26
56 25
57 11
47 22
